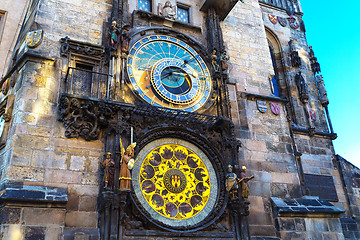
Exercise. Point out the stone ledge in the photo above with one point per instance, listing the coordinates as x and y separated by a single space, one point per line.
42 194
253 96
148 233
308 206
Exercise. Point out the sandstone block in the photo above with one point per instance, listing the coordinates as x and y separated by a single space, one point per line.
49 159
43 216
84 190
25 173
32 142
62 176
21 156
256 146
34 232
77 163
53 233
81 219
88 203
10 215
290 178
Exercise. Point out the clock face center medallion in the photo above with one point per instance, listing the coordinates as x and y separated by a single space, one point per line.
174 181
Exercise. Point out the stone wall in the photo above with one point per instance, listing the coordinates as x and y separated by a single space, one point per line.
37 152
268 148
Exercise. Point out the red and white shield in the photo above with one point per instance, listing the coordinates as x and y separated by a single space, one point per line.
275 108
312 115
293 22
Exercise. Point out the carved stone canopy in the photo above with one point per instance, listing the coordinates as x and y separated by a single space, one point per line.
222 7
68 45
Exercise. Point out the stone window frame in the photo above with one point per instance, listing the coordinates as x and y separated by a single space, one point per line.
78 59
275 48
3 15
185 7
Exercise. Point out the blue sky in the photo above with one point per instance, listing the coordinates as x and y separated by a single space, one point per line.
332 28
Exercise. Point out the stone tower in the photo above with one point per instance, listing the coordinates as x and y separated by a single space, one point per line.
154 119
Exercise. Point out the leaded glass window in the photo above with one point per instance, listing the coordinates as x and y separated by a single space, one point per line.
144 5
183 14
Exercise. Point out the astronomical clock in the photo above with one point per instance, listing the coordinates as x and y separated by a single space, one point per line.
177 178
167 72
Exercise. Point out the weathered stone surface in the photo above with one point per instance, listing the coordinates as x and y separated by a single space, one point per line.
81 219
83 190
77 163
43 216
34 233
62 176
88 204
10 215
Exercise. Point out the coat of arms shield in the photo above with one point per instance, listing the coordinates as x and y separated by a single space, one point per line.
261 105
275 108
282 21
293 23
34 38
312 115
273 19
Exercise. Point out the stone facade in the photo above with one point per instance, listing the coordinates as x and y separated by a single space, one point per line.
54 137
12 14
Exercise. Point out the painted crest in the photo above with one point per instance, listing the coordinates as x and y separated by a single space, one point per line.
34 38
312 115
5 87
273 19
282 21
293 23
275 108
261 105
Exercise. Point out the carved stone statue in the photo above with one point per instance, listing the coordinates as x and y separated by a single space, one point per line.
244 183
125 176
315 66
224 60
322 91
294 55
302 87
114 36
125 39
215 61
167 10
311 52
232 183
109 170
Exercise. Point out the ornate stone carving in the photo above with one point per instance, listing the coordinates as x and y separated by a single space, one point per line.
302 87
315 66
84 118
294 55
322 91
68 45
167 10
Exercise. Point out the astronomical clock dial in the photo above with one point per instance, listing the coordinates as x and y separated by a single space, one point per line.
175 183
167 72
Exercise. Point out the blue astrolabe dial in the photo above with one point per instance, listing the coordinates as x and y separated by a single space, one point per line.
174 81
166 72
